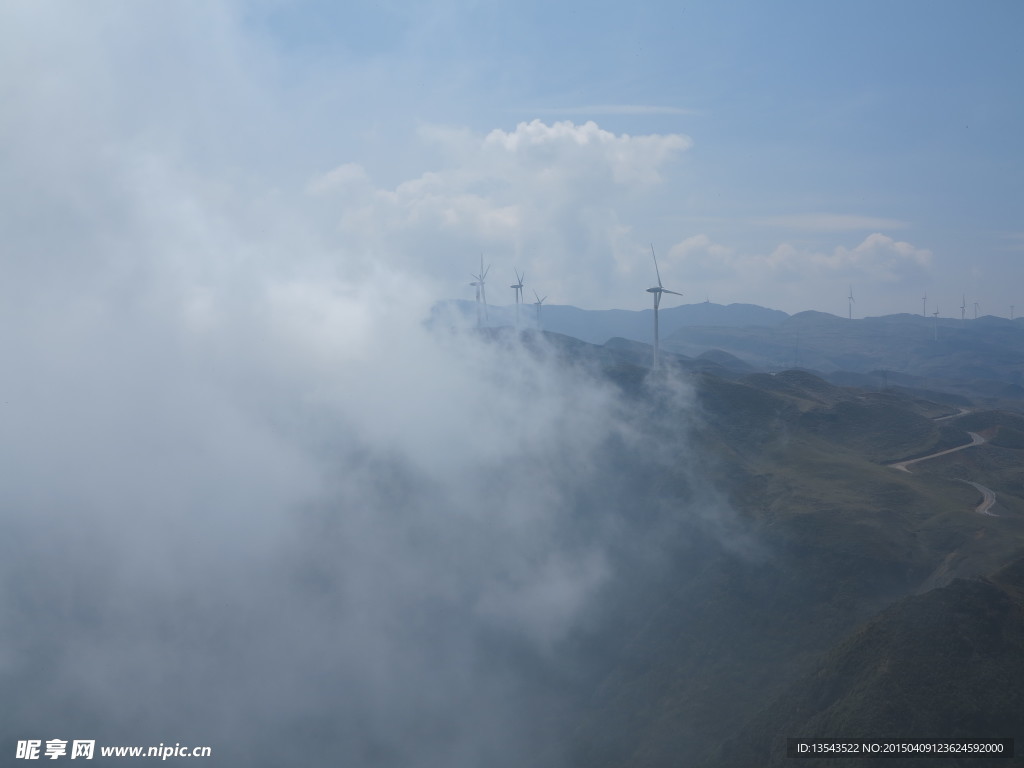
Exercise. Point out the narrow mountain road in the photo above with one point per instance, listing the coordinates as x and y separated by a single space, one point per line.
988 499
961 412
988 496
976 439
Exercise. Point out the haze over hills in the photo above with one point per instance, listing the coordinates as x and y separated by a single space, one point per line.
596 326
983 356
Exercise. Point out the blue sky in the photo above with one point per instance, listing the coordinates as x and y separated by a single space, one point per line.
772 153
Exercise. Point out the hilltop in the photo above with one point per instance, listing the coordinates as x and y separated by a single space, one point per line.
596 326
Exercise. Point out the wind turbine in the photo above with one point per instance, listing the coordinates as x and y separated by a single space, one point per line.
538 304
976 306
518 288
924 305
481 292
657 291
850 297
963 307
935 314
1011 311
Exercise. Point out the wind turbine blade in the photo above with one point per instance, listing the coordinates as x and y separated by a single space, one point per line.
656 271
674 293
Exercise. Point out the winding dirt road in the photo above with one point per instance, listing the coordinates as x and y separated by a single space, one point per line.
988 496
976 439
960 412
988 499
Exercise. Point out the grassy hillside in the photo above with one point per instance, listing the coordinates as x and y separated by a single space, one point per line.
823 540
943 665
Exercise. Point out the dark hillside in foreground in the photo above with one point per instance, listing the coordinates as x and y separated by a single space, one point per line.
945 665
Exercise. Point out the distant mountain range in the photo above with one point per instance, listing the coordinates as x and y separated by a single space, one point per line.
596 326
985 355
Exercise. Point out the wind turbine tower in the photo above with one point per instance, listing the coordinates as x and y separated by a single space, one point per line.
479 318
935 314
518 288
963 307
976 305
658 290
850 297
538 304
924 305
1011 311
481 292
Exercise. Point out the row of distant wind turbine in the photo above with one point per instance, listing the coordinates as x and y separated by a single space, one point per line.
977 306
517 286
924 307
963 311
481 294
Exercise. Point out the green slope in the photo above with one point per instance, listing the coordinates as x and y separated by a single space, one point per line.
824 538
946 665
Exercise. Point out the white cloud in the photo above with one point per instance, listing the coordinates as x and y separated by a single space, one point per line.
792 275
877 258
547 198
587 151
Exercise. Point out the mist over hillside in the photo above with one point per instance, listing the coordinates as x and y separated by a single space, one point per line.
441 545
597 326
380 553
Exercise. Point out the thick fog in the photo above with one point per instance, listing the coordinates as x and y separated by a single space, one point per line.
250 499
278 515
